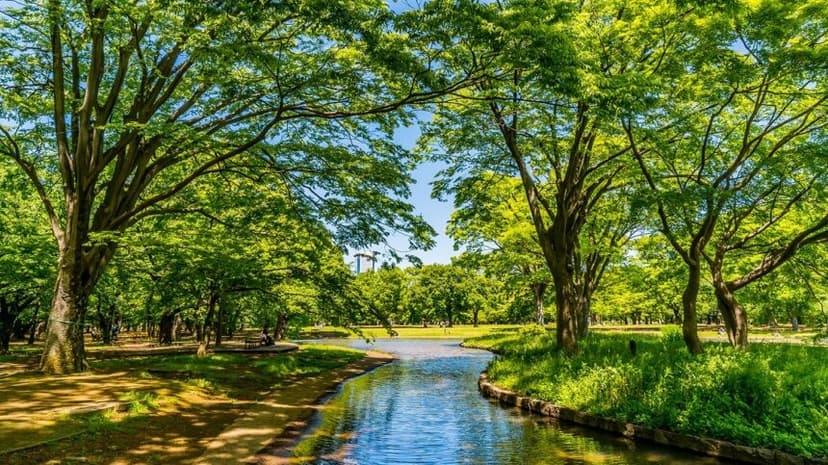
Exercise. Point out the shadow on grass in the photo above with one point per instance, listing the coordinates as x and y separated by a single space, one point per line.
173 405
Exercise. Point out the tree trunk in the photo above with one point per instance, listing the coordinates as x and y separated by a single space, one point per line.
207 327
7 318
105 321
583 315
79 269
204 342
538 289
281 327
475 314
64 348
219 323
733 314
689 326
33 329
5 340
566 301
166 327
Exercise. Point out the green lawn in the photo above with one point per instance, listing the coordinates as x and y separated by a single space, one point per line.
228 371
773 395
431 332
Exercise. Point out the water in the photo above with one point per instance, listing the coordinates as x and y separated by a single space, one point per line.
425 409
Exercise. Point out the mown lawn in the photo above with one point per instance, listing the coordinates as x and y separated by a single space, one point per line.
773 395
411 332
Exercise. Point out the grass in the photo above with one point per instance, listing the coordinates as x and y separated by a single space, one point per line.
166 399
230 373
468 331
773 395
414 332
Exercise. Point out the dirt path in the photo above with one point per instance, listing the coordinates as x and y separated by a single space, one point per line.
275 420
192 426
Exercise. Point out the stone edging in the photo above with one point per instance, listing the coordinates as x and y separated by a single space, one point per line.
707 446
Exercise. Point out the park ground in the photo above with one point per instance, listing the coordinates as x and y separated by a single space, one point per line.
140 404
706 332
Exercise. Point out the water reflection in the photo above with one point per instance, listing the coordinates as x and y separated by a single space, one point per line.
425 409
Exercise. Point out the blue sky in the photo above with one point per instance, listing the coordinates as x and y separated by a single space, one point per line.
435 212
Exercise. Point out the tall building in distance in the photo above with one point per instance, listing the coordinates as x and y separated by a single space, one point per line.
365 261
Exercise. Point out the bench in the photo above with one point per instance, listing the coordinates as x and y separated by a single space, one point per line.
252 342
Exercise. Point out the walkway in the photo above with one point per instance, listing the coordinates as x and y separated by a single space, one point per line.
283 413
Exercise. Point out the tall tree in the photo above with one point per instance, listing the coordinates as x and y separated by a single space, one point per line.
138 100
737 147
567 71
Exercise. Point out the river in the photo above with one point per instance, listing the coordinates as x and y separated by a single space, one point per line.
425 409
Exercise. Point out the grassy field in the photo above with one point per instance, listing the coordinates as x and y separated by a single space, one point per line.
408 332
153 409
709 333
773 395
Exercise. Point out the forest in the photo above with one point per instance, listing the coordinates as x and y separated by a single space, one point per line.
199 168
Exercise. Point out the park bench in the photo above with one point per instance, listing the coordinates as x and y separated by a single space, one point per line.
252 342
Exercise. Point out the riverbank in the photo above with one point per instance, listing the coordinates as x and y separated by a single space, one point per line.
433 331
170 409
773 396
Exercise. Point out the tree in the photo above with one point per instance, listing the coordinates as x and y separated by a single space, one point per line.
25 256
445 292
566 71
493 225
245 255
737 150
384 290
130 103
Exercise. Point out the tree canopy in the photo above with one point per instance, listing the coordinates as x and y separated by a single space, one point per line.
202 166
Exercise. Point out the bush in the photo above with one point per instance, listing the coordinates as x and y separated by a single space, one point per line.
773 395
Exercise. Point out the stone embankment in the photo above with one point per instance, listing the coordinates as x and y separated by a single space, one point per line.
708 446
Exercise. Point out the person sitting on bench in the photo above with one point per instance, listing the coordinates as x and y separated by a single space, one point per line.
265 338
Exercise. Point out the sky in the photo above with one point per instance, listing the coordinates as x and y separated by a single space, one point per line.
435 212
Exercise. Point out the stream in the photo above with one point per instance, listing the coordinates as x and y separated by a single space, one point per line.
425 409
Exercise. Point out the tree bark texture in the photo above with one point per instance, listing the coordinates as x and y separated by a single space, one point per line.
689 325
79 268
64 347
566 301
733 314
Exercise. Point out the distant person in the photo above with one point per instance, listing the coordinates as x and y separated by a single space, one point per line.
116 329
265 339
